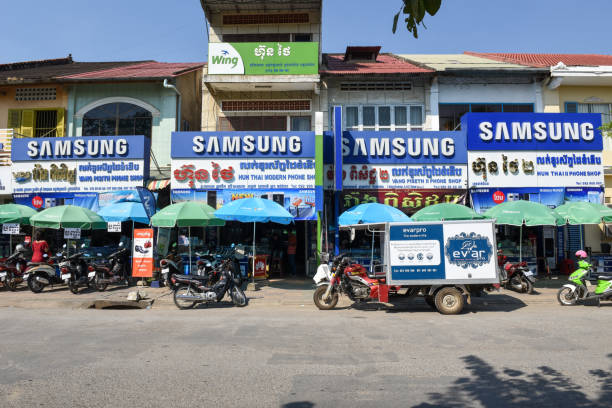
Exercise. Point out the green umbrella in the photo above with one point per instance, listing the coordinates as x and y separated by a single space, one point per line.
446 211
581 212
521 213
187 214
67 216
15 214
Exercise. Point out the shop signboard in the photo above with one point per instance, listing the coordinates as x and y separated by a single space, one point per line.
79 164
10 229
142 253
459 251
402 160
263 58
534 150
409 201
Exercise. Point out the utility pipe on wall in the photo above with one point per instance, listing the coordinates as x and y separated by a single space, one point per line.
180 97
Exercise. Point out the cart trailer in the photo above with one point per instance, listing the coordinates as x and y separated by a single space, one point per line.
442 261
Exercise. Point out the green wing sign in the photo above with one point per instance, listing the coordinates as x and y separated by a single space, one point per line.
290 58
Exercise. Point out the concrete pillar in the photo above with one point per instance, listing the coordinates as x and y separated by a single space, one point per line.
432 118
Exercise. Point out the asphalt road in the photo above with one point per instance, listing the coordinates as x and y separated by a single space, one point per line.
294 356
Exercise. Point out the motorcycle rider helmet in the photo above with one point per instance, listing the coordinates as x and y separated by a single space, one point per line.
581 254
19 248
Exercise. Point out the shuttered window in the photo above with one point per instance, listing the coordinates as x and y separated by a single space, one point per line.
37 122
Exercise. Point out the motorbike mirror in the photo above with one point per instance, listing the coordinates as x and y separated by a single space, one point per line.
45 255
83 245
57 254
352 234
64 246
120 244
233 245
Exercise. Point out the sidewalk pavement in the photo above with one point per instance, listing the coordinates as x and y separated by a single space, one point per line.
294 293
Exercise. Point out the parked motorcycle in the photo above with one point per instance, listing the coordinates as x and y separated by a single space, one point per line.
113 270
41 274
344 277
76 272
193 289
576 290
518 276
13 268
170 265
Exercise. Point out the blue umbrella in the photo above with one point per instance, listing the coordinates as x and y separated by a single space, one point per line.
372 213
124 211
254 210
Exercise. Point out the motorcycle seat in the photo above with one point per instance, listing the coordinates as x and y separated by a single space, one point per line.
101 266
604 277
191 277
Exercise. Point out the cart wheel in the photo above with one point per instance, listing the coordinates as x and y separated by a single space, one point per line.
449 300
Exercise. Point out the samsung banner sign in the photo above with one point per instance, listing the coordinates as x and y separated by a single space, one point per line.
533 131
79 164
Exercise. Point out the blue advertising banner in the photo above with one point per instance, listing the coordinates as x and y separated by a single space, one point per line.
236 145
300 203
486 198
148 201
410 147
417 251
533 131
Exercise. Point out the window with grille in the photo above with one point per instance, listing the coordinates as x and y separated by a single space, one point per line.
376 86
265 106
605 109
384 117
450 113
35 94
267 37
264 123
286 18
46 124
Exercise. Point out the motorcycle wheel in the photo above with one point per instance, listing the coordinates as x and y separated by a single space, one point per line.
100 286
449 301
516 283
34 285
74 287
10 282
320 302
566 297
528 286
181 303
238 297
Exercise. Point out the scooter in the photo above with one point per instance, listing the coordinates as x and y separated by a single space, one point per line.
113 271
576 290
172 264
193 289
13 268
41 274
76 272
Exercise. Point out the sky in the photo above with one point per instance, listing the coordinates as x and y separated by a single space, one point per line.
175 30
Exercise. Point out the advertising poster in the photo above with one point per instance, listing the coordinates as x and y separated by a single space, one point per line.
79 164
263 58
409 201
6 177
486 198
142 253
460 251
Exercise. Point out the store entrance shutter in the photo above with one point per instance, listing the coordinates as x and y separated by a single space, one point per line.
574 234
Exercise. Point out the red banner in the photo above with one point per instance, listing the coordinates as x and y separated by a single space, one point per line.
409 201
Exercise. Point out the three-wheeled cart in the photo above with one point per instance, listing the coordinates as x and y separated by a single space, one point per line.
445 262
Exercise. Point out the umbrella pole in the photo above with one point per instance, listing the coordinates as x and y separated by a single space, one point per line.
253 271
189 234
372 255
521 244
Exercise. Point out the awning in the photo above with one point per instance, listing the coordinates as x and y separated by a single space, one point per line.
155 185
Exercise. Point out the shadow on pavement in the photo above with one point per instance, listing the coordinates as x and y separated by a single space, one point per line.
291 284
505 387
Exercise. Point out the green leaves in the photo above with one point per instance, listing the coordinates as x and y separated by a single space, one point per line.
415 11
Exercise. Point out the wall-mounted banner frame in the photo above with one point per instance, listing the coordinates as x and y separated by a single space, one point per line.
10 229
263 58
72 233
